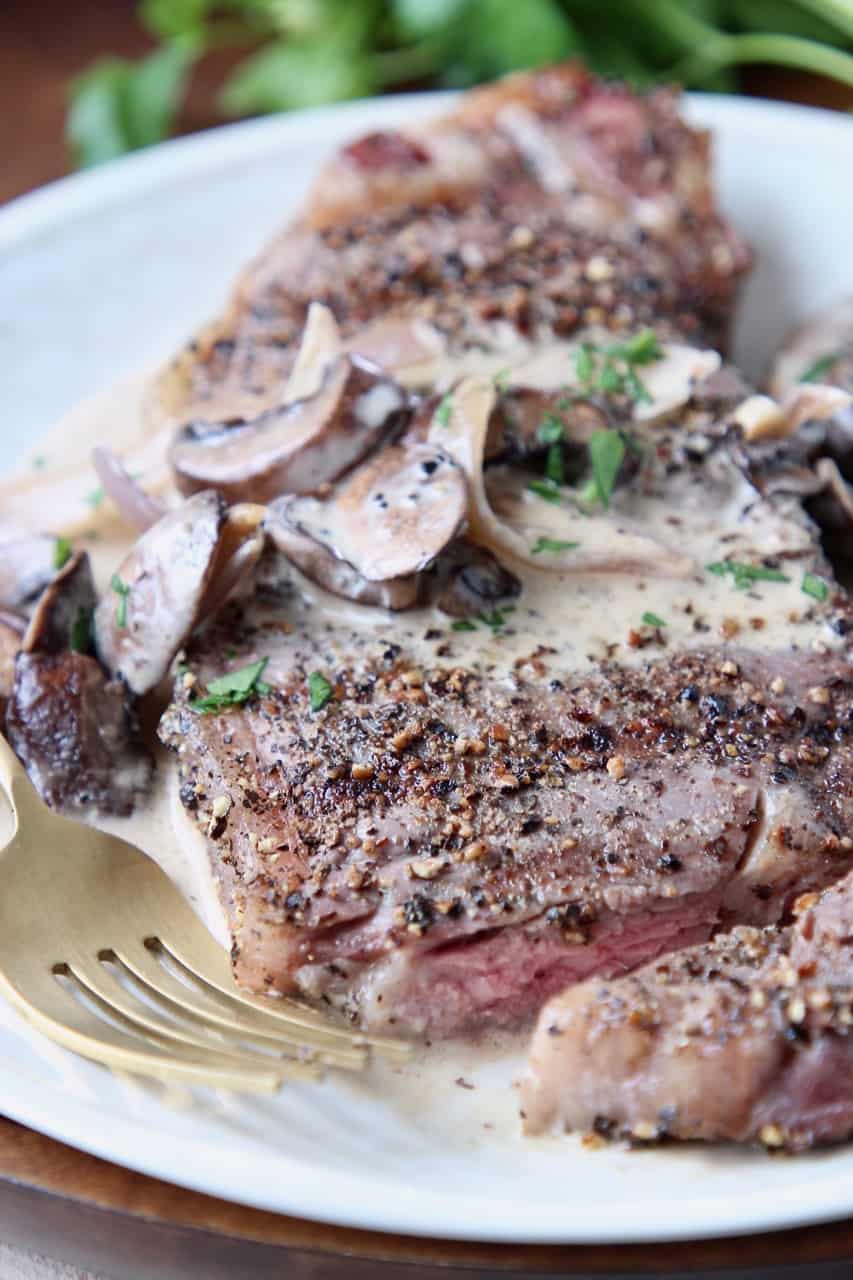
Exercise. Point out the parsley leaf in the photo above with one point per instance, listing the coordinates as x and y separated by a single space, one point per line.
819 367
550 430
555 545
61 552
319 690
612 369
122 590
443 412
606 451
497 618
546 489
463 624
643 348
745 574
652 620
554 469
814 586
232 689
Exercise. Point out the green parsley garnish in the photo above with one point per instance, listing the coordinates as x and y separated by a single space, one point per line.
463 624
444 410
95 498
547 489
501 379
819 367
613 369
745 574
554 545
652 620
814 586
550 430
232 689
497 618
80 639
319 690
61 552
554 469
606 451
122 590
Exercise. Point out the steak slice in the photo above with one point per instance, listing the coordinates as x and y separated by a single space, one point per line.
547 202
440 849
747 1038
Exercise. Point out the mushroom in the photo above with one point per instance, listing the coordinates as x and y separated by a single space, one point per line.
27 564
818 352
298 447
12 627
472 579
386 522
62 619
72 727
177 573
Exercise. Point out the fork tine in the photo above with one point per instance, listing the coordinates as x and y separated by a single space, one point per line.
208 963
330 1046
102 987
62 1019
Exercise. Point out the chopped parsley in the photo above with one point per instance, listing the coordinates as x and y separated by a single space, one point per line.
501 379
122 590
745 574
319 690
613 369
814 586
463 624
80 639
95 498
550 429
232 689
547 489
444 410
550 432
819 367
554 545
554 468
652 620
61 552
497 618
606 451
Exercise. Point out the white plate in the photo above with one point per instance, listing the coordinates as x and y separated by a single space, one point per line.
105 273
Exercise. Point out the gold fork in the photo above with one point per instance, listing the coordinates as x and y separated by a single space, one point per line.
100 952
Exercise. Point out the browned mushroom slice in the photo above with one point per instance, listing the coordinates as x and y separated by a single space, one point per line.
135 506
169 581
471 579
75 734
299 447
322 566
62 619
819 351
27 564
387 521
12 627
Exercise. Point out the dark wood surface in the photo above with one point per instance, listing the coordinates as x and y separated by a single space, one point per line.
97 1216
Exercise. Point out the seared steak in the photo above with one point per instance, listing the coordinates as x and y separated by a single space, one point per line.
547 202
748 1038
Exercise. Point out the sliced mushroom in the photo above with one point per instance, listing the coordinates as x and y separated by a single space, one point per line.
387 521
472 579
65 608
76 735
177 573
821 350
299 447
12 627
27 564
320 347
323 566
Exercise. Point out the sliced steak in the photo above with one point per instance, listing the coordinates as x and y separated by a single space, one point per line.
747 1038
548 202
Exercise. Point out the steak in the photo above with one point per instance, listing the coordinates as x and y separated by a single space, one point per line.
463 824
746 1038
545 203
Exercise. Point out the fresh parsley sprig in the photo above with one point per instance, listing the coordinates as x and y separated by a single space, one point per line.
232 689
744 575
612 370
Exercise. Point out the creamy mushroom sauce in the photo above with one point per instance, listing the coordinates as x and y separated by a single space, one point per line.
564 620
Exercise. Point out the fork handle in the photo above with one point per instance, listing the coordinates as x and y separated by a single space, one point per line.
20 794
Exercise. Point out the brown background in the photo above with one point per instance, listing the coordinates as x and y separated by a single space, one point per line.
45 43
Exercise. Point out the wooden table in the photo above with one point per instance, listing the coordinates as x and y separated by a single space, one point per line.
118 1224
99 1218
